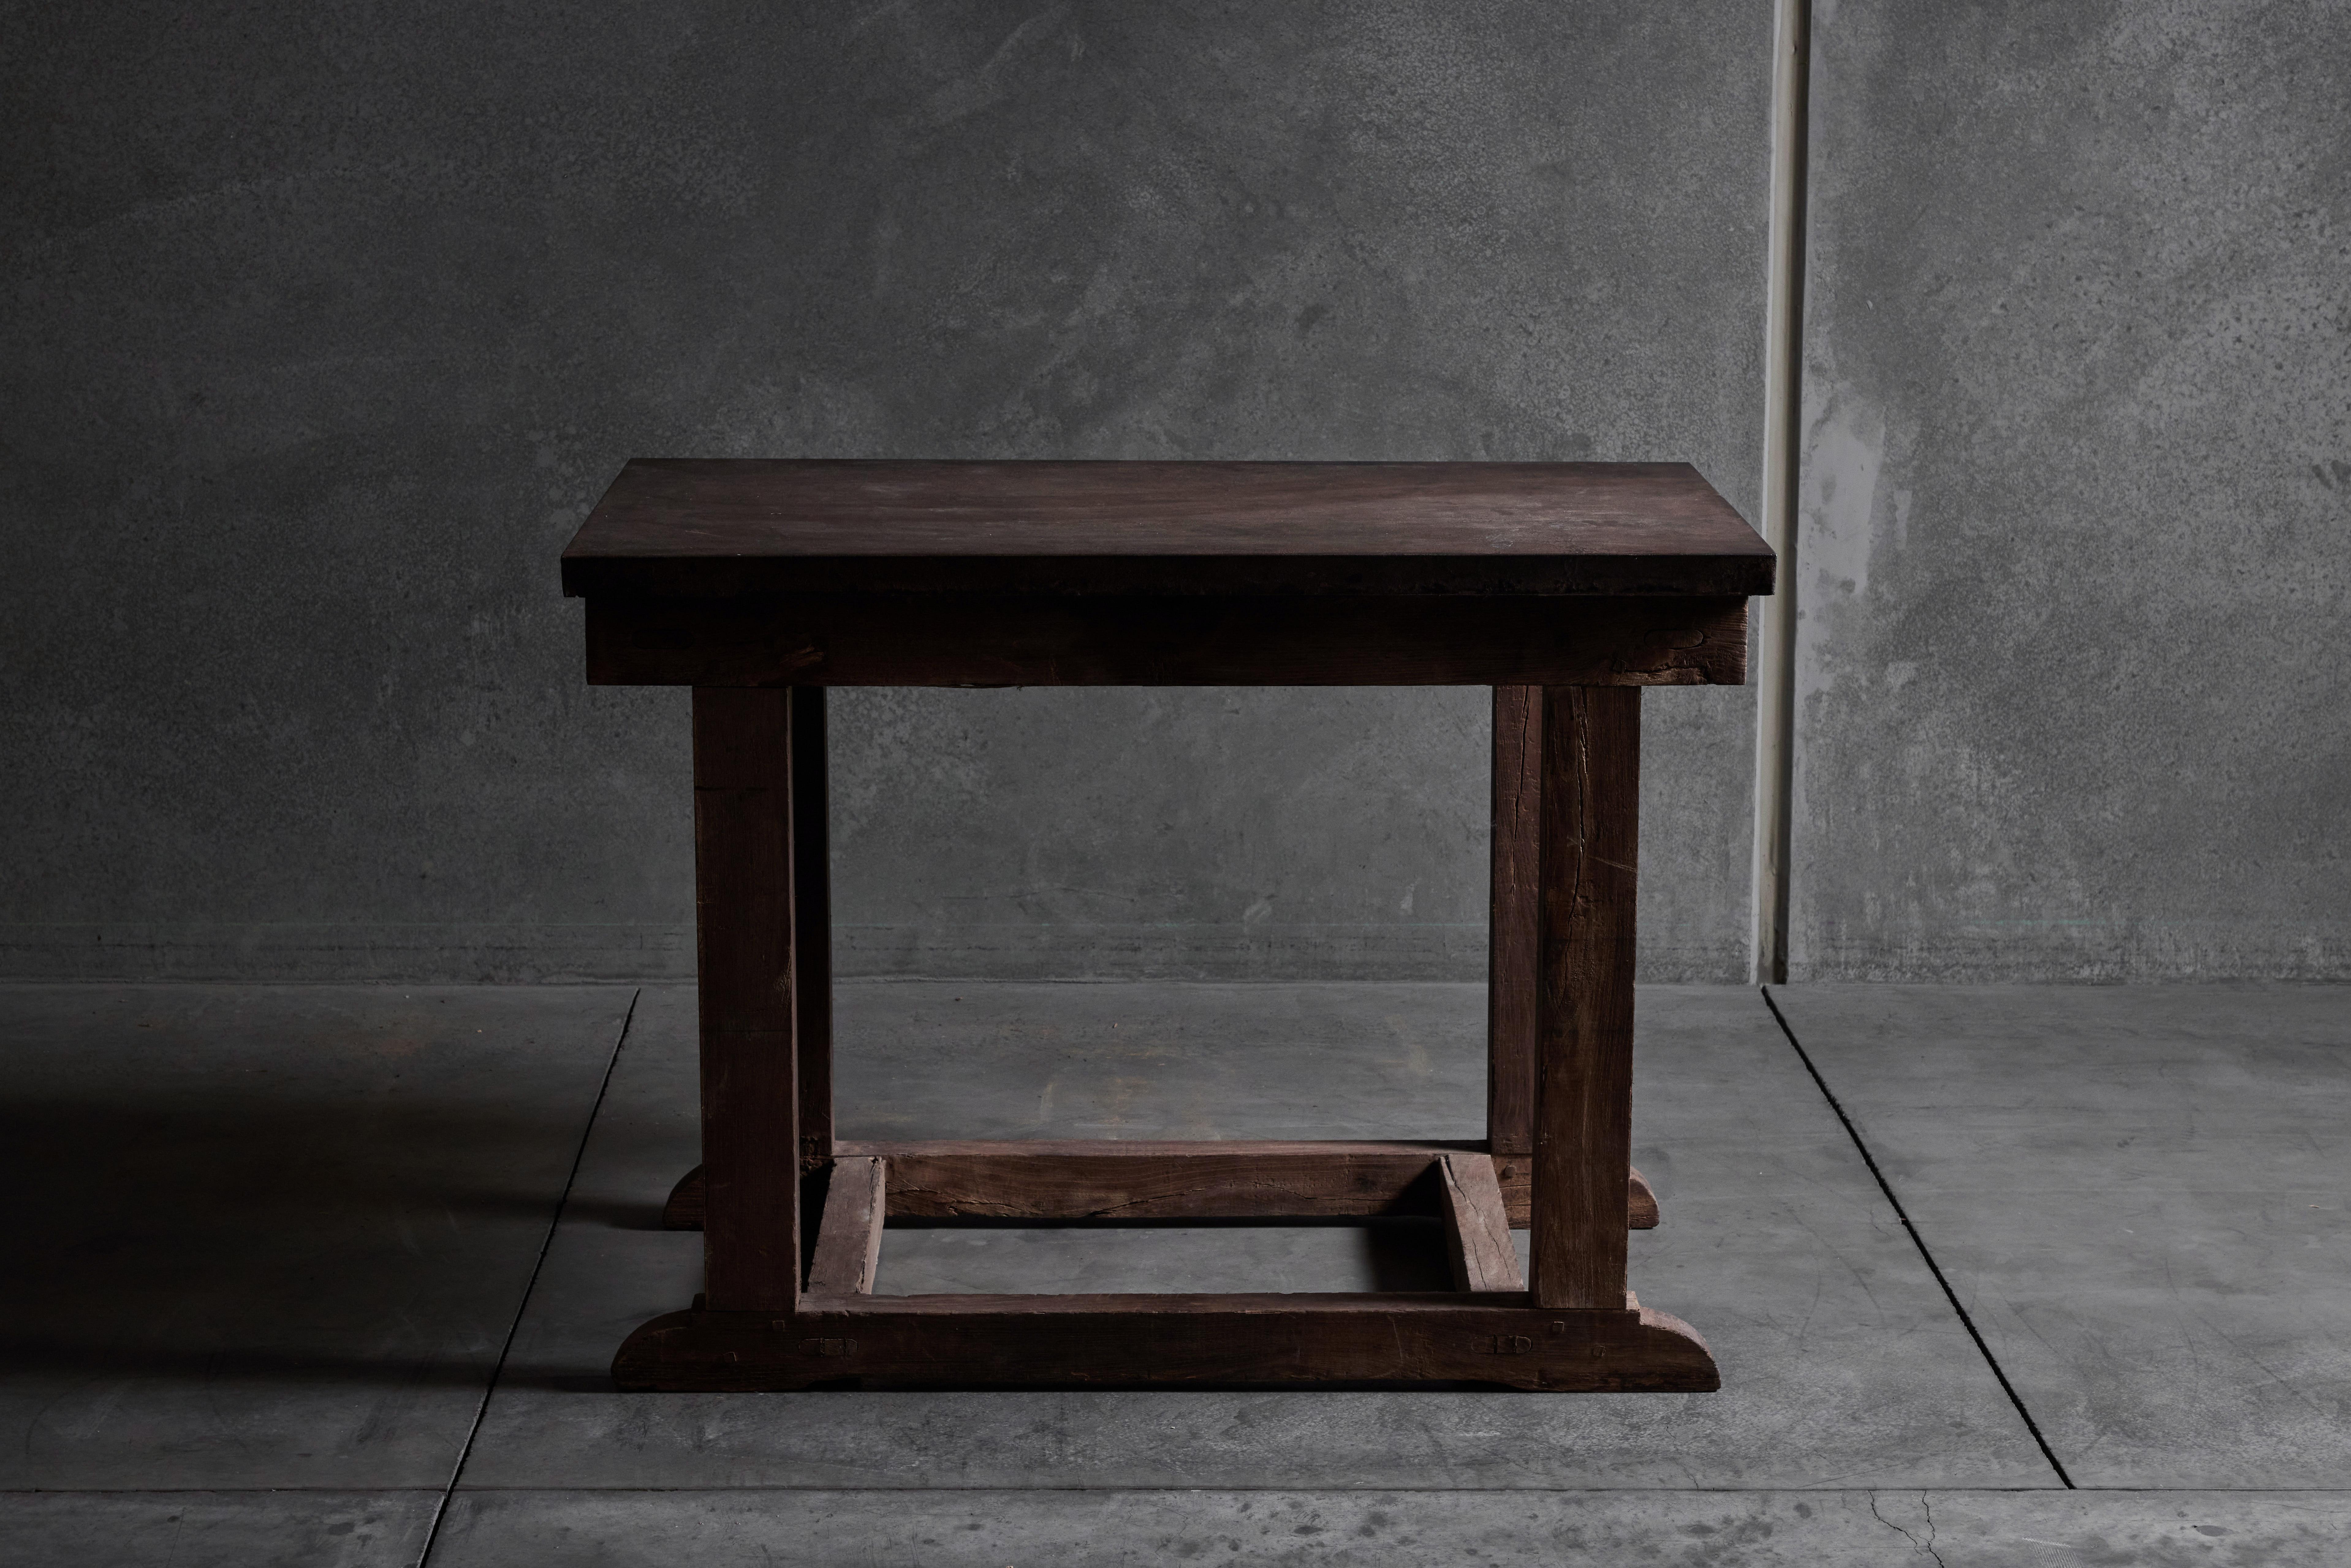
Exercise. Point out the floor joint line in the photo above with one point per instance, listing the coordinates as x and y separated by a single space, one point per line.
547 1244
1902 1214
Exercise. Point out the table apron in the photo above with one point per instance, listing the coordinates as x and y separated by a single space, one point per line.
980 640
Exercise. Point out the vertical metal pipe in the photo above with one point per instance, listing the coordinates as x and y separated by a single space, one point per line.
1783 430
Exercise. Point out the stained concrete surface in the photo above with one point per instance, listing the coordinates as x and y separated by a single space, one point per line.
274 1237
1401 1530
215 1529
1842 1364
2077 486
326 329
2143 1197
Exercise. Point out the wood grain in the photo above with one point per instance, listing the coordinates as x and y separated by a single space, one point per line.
881 1342
848 1237
1094 1179
1590 822
1514 904
743 917
1642 1210
813 924
1476 1229
715 527
980 640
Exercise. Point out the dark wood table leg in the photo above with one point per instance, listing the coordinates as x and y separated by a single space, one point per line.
812 955
1511 946
812 923
744 906
1511 986
1590 828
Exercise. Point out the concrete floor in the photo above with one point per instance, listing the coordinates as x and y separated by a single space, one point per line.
294 1288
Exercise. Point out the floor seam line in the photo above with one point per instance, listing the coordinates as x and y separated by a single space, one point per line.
1186 1491
1965 1319
530 1286
1421 1491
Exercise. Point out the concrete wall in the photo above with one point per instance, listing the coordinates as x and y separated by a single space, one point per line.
327 324
2075 700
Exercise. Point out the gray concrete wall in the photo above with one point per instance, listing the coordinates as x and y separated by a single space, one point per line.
327 324
2073 696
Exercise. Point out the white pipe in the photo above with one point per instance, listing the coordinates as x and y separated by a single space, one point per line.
1783 422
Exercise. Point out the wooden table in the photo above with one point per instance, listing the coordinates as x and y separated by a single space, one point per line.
1565 587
